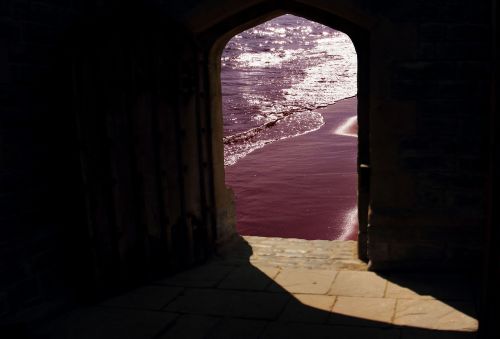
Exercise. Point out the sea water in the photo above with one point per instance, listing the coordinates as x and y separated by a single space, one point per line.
274 77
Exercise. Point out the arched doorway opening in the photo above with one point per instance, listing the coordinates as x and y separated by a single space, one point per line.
217 37
289 153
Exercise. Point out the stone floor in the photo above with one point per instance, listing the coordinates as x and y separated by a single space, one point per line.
283 288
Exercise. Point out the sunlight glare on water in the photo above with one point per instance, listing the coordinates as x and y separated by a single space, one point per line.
275 75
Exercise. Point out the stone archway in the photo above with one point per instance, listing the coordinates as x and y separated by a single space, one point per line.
410 212
405 212
428 84
216 37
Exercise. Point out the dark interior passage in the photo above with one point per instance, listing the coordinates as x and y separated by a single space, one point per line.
111 142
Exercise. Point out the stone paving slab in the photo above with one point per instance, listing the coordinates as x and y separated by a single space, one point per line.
358 284
249 278
314 331
231 328
412 333
283 288
299 253
407 286
112 323
357 310
190 326
148 297
434 314
208 275
203 327
304 281
317 308
394 290
257 305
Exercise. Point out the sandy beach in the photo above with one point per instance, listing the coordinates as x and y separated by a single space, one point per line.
302 187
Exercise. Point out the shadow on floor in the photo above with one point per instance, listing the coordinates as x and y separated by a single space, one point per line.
231 298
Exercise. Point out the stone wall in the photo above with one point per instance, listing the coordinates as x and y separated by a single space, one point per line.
422 118
35 206
428 110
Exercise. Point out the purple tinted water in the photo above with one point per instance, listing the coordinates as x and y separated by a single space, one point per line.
289 182
275 75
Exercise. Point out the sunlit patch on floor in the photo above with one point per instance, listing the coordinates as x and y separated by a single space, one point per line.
283 288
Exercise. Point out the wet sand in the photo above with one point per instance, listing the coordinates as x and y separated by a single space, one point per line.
303 187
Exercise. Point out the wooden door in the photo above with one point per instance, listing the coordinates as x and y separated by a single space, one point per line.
144 138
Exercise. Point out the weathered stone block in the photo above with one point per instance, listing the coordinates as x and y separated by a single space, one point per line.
148 297
358 310
258 305
304 280
309 308
434 314
205 276
190 327
249 278
358 284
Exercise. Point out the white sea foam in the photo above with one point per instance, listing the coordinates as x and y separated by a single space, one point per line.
275 75
239 145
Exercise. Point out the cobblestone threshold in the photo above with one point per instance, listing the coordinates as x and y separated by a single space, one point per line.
296 253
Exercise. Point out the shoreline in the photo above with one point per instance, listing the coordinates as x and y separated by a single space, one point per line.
302 187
